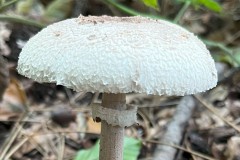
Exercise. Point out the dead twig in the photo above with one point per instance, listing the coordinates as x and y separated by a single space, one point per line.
15 148
175 129
211 108
180 148
38 147
53 148
14 133
61 146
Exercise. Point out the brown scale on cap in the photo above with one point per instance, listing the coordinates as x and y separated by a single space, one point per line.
95 19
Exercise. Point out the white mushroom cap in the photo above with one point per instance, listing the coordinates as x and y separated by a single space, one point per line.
119 55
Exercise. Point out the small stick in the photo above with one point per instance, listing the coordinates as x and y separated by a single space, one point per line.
39 148
211 108
175 129
61 146
189 149
15 148
180 148
182 11
50 142
14 133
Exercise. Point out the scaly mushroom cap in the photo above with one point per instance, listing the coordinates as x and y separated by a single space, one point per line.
119 55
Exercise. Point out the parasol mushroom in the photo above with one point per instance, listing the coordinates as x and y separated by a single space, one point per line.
116 56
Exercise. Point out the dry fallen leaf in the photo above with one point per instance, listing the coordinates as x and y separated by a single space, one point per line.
14 97
233 149
93 127
4 76
6 115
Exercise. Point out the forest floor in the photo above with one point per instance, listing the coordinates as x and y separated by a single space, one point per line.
46 121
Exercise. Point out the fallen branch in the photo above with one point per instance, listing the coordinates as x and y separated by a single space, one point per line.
175 129
181 148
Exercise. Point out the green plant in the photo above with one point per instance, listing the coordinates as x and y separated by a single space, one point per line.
151 3
209 4
131 150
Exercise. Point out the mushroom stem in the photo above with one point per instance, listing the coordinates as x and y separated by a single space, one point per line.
111 140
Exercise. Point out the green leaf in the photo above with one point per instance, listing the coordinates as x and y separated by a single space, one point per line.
5 5
131 150
58 10
89 154
131 11
24 7
211 4
237 55
151 3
